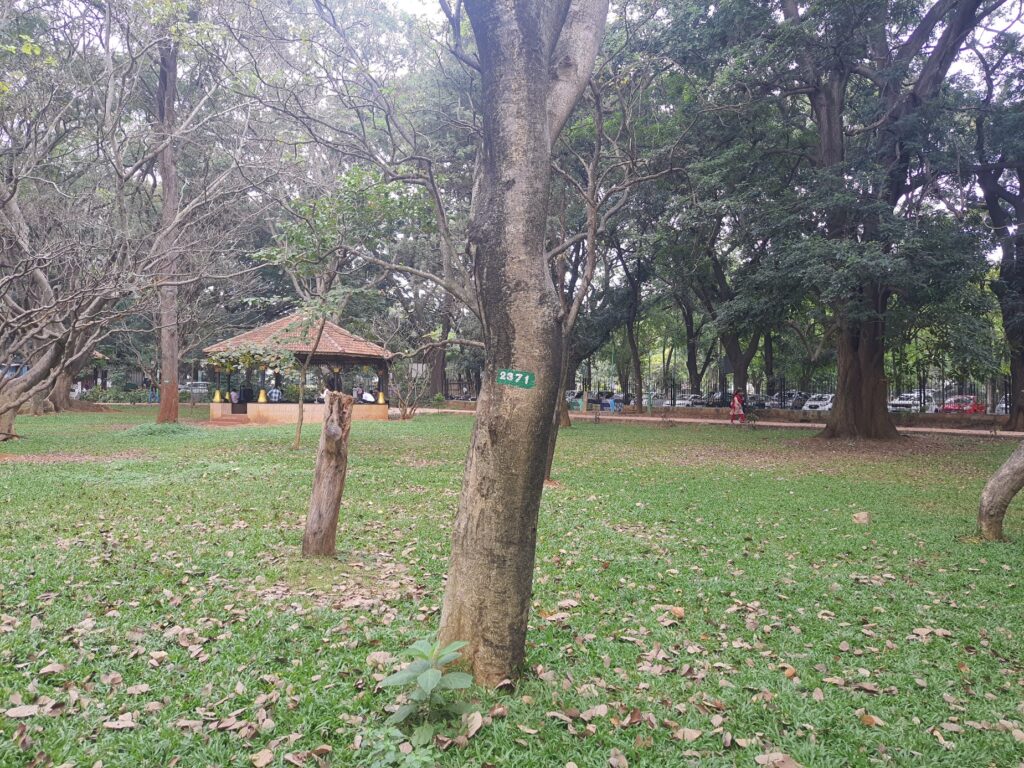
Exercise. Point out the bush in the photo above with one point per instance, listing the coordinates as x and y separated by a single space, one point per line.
115 395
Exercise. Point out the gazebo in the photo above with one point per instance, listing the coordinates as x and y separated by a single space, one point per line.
332 354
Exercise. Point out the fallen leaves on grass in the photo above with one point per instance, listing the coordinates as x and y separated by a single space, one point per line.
776 760
25 710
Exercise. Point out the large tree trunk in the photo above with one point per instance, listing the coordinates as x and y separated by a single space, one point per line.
860 409
320 537
769 363
60 396
740 357
535 58
7 424
998 493
167 291
638 373
1015 421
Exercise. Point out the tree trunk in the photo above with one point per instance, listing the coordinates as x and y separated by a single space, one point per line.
297 442
7 424
525 100
1015 413
60 395
320 537
860 409
634 356
740 357
997 495
561 419
769 363
438 357
167 291
622 371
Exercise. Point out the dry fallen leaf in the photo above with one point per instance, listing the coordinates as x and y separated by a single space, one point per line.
687 734
123 722
25 710
617 760
262 758
474 721
862 518
51 669
871 720
379 659
776 760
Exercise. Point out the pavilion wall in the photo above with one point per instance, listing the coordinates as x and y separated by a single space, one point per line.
288 413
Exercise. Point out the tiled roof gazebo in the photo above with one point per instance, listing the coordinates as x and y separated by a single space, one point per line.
336 350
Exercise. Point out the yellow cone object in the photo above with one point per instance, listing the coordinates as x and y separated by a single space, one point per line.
262 398
380 398
216 396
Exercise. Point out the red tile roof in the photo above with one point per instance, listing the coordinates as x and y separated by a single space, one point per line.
296 334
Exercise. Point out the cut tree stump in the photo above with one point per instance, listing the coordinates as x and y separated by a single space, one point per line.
320 537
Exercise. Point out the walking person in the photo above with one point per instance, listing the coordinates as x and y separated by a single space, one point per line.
736 408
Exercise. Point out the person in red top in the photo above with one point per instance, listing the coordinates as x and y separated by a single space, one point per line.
736 408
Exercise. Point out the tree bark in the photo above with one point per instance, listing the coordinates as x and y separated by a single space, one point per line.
739 357
1015 413
320 537
998 493
167 291
860 409
638 373
7 424
60 395
561 419
438 357
535 59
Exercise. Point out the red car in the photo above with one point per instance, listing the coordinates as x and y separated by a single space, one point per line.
963 404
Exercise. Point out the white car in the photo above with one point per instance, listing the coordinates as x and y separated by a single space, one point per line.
911 402
819 403
689 401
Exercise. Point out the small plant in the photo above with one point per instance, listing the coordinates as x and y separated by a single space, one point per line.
382 748
438 399
430 688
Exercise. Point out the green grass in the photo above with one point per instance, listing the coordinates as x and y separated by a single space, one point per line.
749 531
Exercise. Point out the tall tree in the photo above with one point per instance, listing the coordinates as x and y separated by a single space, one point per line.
999 170
534 60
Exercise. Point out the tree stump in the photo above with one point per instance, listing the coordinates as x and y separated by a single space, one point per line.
319 539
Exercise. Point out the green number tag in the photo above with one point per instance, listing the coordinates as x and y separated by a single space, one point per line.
521 379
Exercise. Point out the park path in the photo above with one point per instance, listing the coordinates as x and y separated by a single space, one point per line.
605 418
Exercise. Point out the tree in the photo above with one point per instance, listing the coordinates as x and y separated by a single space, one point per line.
999 170
534 61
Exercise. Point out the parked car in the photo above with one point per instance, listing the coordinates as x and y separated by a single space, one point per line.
967 404
718 400
197 387
793 398
819 403
913 402
1003 406
689 401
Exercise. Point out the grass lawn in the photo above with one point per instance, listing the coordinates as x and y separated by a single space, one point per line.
155 611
